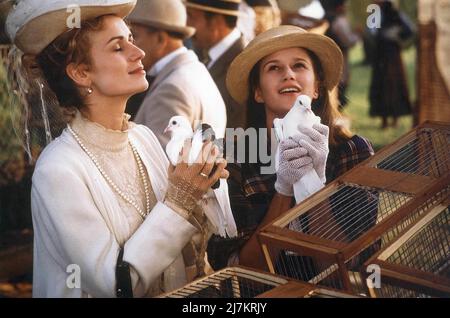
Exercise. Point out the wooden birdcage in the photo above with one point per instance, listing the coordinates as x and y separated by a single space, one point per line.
241 282
417 264
327 239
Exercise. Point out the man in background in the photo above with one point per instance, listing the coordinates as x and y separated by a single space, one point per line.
218 42
180 83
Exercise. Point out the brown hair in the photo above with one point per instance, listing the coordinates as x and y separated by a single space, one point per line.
326 106
72 46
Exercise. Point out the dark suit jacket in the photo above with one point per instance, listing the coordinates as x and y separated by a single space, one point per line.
236 114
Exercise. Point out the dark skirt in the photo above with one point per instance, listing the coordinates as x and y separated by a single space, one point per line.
389 90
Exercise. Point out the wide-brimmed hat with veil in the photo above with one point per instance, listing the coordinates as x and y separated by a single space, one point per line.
32 25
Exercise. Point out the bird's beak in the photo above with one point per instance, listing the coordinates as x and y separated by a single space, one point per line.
167 130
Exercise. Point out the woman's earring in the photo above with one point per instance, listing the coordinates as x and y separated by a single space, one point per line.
89 90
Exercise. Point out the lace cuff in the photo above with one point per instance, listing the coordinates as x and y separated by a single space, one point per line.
180 195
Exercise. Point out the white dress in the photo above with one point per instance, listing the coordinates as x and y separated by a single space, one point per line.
80 221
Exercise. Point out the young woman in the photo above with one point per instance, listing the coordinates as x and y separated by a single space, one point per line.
268 76
111 217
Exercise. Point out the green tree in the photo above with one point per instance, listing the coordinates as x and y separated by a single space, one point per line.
12 163
410 8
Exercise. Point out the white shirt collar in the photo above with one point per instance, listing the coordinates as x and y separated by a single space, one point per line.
220 48
156 69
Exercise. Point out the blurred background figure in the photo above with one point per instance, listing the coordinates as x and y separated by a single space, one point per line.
389 95
3 10
368 38
267 14
341 32
433 101
217 42
257 16
246 21
308 15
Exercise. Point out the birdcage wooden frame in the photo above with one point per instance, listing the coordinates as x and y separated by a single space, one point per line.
399 269
277 286
421 190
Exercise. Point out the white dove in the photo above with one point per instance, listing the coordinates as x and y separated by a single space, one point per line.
300 115
217 207
180 129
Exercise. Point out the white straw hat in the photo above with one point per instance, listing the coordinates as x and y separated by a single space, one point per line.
33 24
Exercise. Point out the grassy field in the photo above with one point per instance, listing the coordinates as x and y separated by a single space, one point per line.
358 108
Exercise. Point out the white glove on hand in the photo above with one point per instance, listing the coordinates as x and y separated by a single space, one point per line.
315 141
294 164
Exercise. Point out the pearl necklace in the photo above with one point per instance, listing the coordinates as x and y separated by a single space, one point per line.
111 182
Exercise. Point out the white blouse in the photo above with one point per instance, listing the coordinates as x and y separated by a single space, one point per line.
79 220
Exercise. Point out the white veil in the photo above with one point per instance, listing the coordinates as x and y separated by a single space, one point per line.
35 112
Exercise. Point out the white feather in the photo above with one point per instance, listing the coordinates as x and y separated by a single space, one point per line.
217 208
226 219
278 126
196 147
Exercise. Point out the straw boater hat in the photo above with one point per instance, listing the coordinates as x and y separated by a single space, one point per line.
226 7
277 39
33 24
169 15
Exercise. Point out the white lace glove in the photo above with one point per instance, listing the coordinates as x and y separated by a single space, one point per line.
294 164
315 141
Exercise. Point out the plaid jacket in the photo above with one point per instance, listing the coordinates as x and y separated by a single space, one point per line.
251 193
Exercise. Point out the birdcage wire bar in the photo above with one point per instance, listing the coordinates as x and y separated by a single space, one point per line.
428 155
417 264
391 291
229 283
429 249
241 282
